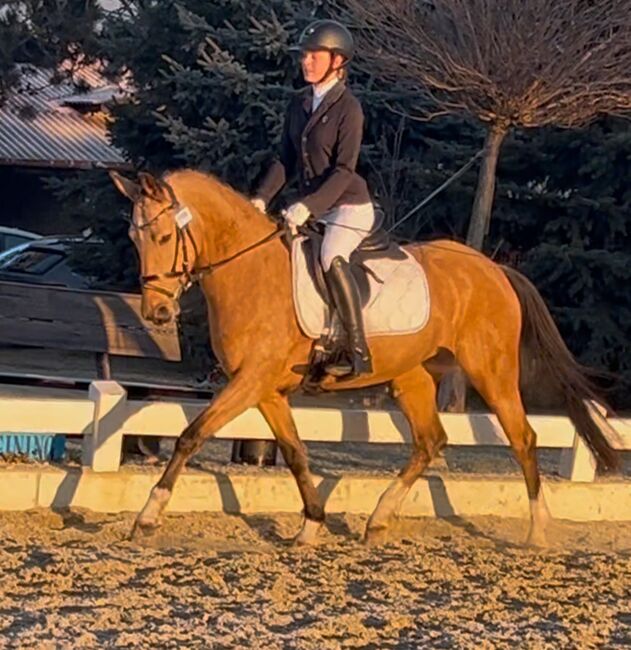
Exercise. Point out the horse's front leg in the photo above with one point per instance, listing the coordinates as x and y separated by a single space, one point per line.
241 393
277 413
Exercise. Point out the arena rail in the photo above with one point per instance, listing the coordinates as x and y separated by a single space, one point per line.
105 415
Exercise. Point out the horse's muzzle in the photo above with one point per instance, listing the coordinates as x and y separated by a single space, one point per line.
161 313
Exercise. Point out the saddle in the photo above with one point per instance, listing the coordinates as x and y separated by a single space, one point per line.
377 245
392 285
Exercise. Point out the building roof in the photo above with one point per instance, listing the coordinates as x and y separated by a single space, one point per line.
49 124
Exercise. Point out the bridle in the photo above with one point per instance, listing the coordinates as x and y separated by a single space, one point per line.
187 274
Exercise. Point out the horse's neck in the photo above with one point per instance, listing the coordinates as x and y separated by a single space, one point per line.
247 297
225 223
241 291
232 237
249 266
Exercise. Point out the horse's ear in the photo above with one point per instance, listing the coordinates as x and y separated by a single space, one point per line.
126 186
152 187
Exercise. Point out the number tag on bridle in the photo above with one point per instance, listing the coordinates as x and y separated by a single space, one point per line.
183 218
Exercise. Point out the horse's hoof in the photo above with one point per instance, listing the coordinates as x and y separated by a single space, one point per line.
537 539
308 535
376 536
142 530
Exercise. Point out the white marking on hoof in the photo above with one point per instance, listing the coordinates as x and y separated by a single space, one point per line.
308 534
537 538
140 530
389 505
539 520
149 517
376 536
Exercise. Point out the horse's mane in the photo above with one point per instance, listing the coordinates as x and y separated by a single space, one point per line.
208 195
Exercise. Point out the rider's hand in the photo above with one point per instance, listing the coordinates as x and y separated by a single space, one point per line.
259 204
297 214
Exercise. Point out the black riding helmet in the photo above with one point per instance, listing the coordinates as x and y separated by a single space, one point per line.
326 35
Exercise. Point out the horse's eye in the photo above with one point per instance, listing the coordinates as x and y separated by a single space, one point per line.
164 239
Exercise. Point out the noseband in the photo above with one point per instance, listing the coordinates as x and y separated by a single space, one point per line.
188 274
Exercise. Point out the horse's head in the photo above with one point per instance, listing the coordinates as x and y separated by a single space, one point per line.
160 229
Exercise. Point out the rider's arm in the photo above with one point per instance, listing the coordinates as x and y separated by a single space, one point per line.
281 169
348 144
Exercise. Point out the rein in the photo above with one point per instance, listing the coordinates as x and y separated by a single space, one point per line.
183 234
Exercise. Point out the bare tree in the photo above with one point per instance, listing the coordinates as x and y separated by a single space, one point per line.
508 63
387 164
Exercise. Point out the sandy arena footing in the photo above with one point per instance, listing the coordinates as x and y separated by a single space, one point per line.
72 579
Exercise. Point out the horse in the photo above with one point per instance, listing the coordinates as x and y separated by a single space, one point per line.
187 225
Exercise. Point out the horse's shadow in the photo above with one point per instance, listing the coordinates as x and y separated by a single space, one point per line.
268 528
444 510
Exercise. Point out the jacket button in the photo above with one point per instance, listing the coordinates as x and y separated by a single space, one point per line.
307 183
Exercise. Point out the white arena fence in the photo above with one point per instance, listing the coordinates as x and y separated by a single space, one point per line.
105 415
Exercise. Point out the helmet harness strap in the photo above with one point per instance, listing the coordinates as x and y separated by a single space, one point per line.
330 69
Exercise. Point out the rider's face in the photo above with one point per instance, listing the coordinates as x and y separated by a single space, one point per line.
316 64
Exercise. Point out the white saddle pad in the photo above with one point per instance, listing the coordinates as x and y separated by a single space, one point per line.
399 305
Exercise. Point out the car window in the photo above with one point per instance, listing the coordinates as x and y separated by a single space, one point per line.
33 261
15 240
11 251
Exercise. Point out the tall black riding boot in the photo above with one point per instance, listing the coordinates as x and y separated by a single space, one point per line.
345 294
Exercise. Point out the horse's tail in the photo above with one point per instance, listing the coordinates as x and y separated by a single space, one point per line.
573 380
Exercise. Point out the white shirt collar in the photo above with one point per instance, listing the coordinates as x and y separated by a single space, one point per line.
320 91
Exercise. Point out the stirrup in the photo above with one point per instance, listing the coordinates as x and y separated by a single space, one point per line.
360 364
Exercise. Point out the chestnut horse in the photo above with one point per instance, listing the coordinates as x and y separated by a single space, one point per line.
480 312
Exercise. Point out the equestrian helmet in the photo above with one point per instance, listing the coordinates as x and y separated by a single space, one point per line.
327 35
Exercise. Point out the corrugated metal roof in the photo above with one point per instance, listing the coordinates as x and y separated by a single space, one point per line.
38 128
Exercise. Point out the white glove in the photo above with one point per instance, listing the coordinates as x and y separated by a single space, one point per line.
259 204
297 214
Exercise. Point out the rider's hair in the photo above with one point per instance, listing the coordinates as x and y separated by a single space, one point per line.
342 73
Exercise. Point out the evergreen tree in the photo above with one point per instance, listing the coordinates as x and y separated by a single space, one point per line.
44 33
564 206
212 82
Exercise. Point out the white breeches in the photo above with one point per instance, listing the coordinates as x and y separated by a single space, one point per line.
346 227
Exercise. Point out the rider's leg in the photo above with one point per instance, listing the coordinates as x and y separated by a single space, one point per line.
339 242
346 296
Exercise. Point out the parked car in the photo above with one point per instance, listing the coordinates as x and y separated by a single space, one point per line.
46 261
11 237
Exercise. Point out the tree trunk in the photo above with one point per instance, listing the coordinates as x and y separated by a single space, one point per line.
485 193
453 388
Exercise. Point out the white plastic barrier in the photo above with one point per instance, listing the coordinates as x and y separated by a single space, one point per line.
106 415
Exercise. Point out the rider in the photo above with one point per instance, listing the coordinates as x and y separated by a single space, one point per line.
321 141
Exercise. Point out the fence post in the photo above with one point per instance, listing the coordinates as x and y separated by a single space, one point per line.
102 450
578 463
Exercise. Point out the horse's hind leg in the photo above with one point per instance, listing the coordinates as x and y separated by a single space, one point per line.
494 371
415 392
